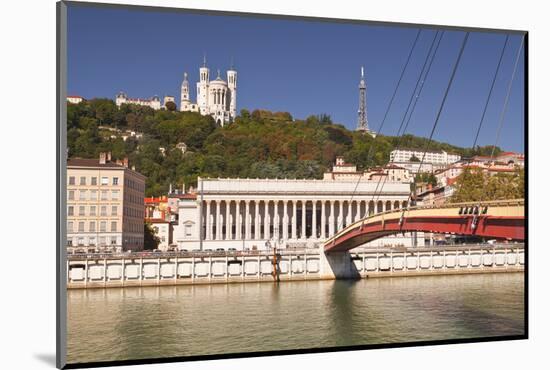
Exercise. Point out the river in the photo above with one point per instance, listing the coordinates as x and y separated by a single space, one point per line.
151 322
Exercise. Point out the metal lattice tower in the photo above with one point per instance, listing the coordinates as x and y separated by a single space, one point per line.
362 122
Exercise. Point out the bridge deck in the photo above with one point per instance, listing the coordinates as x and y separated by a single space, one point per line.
497 219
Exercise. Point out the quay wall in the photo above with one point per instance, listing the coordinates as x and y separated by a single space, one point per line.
200 268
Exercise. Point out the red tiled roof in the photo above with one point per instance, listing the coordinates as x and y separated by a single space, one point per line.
156 221
394 167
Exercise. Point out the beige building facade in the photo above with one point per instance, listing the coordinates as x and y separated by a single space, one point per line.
105 209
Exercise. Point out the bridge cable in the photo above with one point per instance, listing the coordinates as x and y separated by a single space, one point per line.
415 95
459 57
507 97
490 92
506 100
487 102
370 152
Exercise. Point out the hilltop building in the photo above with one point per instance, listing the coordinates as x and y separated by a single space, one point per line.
216 98
74 99
122 98
431 156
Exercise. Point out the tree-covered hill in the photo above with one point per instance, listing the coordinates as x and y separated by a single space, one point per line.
259 144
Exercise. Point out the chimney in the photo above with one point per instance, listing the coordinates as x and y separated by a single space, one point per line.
108 156
125 162
183 188
170 190
102 158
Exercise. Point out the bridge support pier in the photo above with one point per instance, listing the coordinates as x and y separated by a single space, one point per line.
337 265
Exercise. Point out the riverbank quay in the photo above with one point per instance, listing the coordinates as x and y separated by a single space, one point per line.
126 270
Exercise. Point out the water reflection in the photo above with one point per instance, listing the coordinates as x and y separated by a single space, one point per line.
117 324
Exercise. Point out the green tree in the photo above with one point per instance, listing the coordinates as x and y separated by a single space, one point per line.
171 106
150 239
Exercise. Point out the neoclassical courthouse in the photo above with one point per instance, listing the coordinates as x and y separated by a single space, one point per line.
248 213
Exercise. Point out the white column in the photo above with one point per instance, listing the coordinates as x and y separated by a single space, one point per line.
256 220
314 221
340 223
348 217
294 206
247 220
276 231
238 224
267 235
303 236
208 234
331 220
323 219
227 220
285 220
218 220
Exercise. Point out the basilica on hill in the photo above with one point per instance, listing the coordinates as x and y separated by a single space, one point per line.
217 98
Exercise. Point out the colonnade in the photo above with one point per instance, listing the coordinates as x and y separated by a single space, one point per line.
262 219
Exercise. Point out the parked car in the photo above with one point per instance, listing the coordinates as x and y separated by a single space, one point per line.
220 250
232 249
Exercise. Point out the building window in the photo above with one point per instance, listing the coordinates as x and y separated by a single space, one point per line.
94 181
93 195
115 180
71 180
80 240
104 181
101 240
113 240
92 210
70 211
103 210
81 211
70 242
113 226
70 226
92 226
187 230
114 194
83 180
103 226
103 194
71 194
81 227
91 240
114 211
82 195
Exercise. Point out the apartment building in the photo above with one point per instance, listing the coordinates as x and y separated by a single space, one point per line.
105 208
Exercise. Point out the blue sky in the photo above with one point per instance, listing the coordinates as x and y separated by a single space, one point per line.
302 67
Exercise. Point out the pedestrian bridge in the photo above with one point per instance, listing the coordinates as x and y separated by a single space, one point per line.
494 219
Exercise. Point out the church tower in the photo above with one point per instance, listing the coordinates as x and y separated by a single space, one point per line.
185 99
232 85
202 88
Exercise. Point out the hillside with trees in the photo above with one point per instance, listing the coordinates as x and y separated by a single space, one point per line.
260 144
